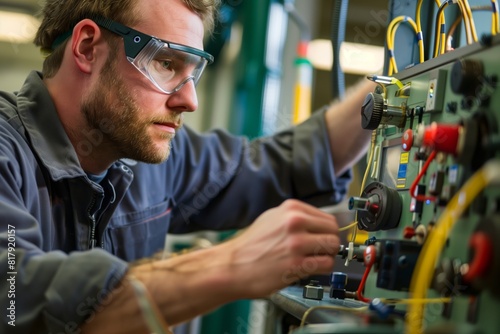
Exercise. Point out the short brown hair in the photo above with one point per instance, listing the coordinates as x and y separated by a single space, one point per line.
60 16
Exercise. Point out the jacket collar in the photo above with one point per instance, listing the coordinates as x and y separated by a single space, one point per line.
44 130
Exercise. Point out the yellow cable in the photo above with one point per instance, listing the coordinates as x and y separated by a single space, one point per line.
331 307
468 32
394 66
493 27
443 43
471 19
390 301
390 46
390 37
363 182
439 21
495 17
417 15
361 309
345 228
440 35
419 31
424 268
391 33
421 53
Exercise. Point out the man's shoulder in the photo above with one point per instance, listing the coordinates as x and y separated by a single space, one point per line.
8 105
11 130
9 112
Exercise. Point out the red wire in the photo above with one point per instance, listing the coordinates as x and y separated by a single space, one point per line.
422 198
362 285
370 256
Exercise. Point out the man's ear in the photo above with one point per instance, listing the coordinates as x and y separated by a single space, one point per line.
85 39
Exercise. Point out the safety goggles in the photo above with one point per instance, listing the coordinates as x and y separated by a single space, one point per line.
169 66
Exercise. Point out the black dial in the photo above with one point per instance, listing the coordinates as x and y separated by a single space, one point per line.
379 207
371 111
466 76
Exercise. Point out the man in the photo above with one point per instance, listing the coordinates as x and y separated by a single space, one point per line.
74 214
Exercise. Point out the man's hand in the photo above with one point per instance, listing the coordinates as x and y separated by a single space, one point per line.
284 244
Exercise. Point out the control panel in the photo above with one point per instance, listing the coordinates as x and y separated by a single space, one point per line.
431 201
430 195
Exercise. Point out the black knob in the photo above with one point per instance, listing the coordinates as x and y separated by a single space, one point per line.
371 111
383 209
466 76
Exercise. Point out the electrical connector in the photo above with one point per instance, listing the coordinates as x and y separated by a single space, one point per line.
313 290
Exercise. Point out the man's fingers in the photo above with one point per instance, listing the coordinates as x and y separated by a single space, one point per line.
313 244
292 204
308 218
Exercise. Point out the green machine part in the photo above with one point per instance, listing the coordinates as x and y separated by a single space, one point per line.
436 125
449 105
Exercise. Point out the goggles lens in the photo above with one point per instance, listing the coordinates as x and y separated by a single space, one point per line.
169 66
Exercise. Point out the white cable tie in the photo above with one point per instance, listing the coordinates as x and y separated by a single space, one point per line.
350 253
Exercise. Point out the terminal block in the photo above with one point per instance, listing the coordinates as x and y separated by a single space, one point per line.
395 263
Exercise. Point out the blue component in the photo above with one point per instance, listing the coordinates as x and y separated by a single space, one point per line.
370 241
402 171
338 280
383 311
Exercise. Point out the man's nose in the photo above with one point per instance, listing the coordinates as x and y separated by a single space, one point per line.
185 99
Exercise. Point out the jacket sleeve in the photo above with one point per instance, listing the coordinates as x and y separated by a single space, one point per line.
227 181
42 291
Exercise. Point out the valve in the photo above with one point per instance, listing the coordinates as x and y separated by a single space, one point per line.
379 207
446 138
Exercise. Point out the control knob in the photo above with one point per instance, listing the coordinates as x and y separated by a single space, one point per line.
375 111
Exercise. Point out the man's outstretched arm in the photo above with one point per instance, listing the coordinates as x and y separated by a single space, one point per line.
348 140
285 243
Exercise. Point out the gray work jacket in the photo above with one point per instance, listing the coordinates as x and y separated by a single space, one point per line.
64 248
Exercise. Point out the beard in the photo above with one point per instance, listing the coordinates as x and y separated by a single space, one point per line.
112 114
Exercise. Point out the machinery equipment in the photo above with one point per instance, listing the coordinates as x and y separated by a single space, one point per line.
431 203
430 198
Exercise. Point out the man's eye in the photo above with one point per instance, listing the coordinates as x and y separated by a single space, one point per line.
166 64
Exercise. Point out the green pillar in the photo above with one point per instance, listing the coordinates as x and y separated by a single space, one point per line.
246 118
250 76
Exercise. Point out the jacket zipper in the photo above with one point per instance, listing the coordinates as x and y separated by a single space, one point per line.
92 238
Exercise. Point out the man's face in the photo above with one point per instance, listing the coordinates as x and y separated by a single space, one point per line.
130 132
143 120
